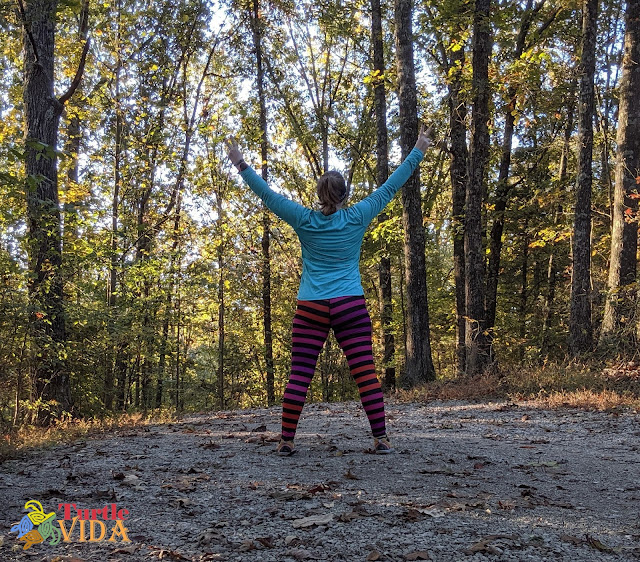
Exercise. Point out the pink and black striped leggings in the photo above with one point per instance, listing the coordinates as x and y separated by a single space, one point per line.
351 324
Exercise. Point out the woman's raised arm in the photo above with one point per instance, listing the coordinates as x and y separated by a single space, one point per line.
289 211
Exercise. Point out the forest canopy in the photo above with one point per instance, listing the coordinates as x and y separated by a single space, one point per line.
139 272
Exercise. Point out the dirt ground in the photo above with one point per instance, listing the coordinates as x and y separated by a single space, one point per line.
488 481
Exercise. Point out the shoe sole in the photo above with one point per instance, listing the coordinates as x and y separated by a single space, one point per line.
286 453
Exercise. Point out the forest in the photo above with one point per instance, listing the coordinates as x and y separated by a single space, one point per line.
138 272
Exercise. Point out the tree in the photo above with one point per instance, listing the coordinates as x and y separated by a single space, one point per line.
450 56
42 119
382 173
257 31
418 362
622 289
503 186
478 340
580 326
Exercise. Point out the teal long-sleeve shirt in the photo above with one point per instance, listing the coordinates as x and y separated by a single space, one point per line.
331 243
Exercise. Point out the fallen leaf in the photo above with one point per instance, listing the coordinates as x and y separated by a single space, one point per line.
266 541
431 511
373 556
246 545
317 489
418 555
485 546
350 475
312 520
163 553
573 540
260 428
300 554
598 545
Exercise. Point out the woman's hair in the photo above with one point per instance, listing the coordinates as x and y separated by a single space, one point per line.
332 191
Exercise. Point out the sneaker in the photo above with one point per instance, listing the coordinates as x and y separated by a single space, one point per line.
382 445
285 448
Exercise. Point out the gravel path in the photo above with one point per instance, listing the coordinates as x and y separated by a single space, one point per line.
496 481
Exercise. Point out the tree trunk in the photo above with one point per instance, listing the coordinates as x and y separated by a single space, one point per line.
459 178
622 288
552 268
221 309
266 221
418 363
117 371
478 340
382 173
580 327
503 188
522 309
164 342
42 117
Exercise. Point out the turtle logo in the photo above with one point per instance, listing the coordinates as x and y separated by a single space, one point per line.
37 526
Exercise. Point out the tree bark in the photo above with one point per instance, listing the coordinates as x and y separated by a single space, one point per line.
51 382
580 326
622 288
418 363
164 342
478 340
524 290
116 372
459 178
266 221
382 173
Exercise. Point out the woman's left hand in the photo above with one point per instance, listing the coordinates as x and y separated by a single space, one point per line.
233 152
425 138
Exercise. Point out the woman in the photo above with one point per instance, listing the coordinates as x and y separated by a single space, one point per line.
331 294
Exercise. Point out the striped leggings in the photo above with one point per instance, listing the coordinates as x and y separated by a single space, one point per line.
351 324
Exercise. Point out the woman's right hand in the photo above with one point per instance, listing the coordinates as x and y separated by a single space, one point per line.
425 138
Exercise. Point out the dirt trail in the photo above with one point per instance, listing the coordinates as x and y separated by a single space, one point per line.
469 482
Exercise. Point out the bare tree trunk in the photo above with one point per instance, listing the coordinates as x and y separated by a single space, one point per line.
418 364
179 394
164 342
459 178
524 291
221 306
478 340
42 118
382 173
115 373
266 221
622 287
580 326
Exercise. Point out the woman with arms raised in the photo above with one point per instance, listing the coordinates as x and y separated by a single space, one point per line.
331 294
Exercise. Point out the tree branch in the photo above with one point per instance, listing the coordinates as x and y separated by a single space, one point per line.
84 29
78 77
23 15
